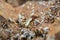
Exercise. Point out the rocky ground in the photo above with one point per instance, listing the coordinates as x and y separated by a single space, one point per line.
29 20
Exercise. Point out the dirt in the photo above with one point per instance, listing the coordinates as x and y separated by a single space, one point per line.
47 13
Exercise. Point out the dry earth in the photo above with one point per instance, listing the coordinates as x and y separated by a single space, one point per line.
26 9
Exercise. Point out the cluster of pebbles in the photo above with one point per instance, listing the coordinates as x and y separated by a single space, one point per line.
22 28
31 27
10 31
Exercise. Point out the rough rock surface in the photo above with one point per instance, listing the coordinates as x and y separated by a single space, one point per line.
41 17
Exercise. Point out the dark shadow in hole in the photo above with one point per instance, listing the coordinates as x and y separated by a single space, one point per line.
22 2
57 36
13 2
5 0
